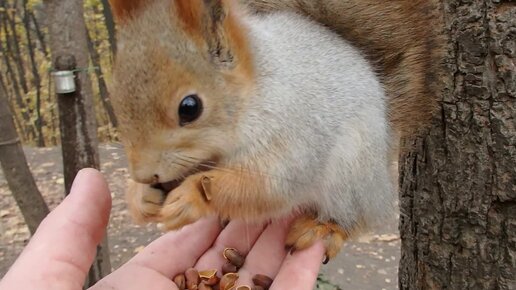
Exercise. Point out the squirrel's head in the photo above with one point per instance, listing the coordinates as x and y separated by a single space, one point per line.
181 79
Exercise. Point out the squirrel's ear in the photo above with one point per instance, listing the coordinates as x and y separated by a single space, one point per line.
122 9
213 22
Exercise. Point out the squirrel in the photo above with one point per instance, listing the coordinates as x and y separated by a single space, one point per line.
280 105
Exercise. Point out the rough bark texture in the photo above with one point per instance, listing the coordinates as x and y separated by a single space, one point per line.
103 89
458 184
17 172
67 32
110 24
69 48
36 78
12 76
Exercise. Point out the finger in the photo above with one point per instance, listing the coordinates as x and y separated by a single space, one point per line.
177 251
300 270
267 254
239 235
62 250
135 277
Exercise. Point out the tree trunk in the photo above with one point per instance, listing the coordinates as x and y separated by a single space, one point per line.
36 78
103 89
17 121
458 183
69 49
15 49
27 129
39 34
17 172
110 24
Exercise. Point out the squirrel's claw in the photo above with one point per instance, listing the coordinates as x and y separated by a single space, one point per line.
307 230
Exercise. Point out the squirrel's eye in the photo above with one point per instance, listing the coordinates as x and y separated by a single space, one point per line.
190 109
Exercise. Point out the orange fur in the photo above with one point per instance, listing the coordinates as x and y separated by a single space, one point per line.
190 13
192 16
235 195
144 202
307 230
123 9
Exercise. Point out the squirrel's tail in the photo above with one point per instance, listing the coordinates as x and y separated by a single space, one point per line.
402 38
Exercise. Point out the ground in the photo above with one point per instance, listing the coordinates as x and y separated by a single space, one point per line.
367 263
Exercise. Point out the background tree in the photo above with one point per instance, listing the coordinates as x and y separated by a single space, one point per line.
25 64
69 49
17 172
458 184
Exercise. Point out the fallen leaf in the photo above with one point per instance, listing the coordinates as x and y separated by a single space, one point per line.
138 249
388 237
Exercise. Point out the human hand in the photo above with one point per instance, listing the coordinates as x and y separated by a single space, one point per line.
62 250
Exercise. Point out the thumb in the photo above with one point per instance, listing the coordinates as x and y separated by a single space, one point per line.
64 246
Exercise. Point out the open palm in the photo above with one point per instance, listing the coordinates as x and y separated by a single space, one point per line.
62 250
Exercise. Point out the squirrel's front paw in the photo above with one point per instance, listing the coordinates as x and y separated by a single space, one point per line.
307 230
185 204
144 202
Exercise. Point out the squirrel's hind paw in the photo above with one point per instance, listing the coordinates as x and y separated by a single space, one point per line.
306 230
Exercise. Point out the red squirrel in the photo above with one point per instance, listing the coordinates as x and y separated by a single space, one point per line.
279 106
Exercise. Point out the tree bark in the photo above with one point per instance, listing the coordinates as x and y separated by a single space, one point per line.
36 78
39 34
110 24
69 49
15 49
27 129
17 172
458 183
17 122
103 89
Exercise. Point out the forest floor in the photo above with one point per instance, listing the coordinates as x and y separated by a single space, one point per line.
369 262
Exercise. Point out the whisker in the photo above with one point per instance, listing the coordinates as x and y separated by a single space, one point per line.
180 164
229 170
205 165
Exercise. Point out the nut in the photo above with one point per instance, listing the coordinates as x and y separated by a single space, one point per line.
206 188
180 281
243 288
192 279
234 257
229 268
228 281
263 281
209 277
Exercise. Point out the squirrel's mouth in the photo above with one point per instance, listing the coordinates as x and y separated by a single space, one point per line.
167 187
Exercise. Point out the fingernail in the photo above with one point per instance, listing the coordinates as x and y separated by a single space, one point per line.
81 177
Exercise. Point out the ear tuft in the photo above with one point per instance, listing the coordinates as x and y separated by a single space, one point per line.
217 10
190 12
122 9
215 25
